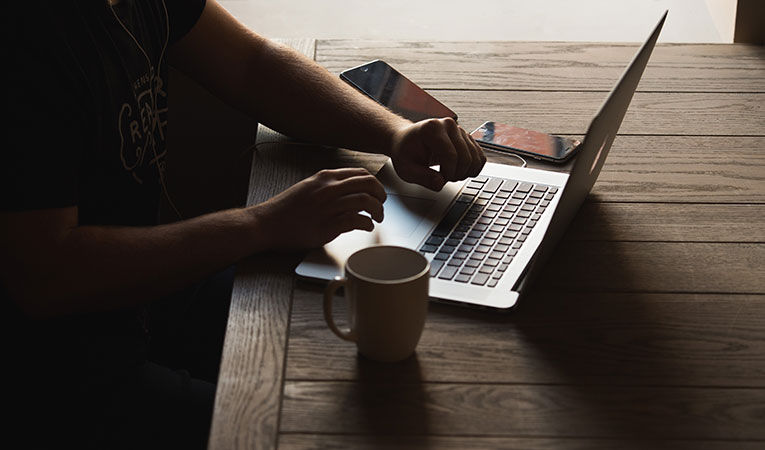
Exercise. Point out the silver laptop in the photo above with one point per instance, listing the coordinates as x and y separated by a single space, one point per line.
486 237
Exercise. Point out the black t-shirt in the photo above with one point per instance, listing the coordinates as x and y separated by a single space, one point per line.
88 106
86 125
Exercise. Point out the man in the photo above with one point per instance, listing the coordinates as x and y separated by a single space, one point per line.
82 251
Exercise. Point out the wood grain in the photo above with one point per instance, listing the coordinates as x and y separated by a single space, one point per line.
249 388
555 66
650 113
449 409
707 169
359 442
668 222
557 337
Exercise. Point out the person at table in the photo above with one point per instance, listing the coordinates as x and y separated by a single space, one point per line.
117 321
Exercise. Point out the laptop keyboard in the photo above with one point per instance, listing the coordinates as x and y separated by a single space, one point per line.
482 232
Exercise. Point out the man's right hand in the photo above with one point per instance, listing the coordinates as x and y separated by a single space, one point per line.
319 208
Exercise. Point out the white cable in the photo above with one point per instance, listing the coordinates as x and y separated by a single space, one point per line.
502 152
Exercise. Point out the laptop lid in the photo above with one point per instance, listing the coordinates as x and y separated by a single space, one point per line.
597 143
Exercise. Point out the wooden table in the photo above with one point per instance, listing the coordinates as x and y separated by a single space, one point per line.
647 329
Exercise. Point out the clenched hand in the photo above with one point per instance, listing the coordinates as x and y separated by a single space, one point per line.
431 142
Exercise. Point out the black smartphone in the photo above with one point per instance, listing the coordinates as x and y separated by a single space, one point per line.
502 137
384 84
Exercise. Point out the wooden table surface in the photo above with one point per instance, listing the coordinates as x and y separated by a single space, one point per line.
647 328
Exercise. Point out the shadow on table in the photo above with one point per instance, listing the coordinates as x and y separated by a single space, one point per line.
387 410
606 354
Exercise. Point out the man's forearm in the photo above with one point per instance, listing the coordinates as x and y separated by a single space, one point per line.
280 87
310 103
92 268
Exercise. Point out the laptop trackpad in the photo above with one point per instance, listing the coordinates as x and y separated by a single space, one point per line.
404 214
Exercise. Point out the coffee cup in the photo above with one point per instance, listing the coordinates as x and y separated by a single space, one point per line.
387 292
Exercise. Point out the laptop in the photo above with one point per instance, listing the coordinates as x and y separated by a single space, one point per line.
487 237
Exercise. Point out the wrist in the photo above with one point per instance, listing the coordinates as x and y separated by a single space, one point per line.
391 135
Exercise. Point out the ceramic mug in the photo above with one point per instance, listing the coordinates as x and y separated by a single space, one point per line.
387 292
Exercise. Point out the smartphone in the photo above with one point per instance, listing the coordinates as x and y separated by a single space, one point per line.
502 137
385 85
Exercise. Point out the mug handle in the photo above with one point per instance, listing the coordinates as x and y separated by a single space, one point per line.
329 292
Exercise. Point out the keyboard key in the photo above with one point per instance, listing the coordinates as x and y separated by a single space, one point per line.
506 241
482 249
461 255
531 223
553 190
544 203
442 256
496 228
452 242
493 282
492 185
471 240
465 248
448 249
515 227
462 278
496 255
472 184
429 248
502 194
467 270
486 269
447 273
521 238
488 241
502 267
434 240
472 192
465 198
435 266
485 220
536 217
485 196
549 197
457 235
489 215
492 235
480 179
501 221
513 202
527 207
478 256
525 187
480 227
519 195
472 263
536 194
508 186
517 244
456 262
494 208
451 219
519 220
524 214
532 201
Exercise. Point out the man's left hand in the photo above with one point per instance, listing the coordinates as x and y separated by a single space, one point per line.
418 146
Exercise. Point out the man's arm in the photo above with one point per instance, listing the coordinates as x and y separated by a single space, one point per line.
51 266
294 95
